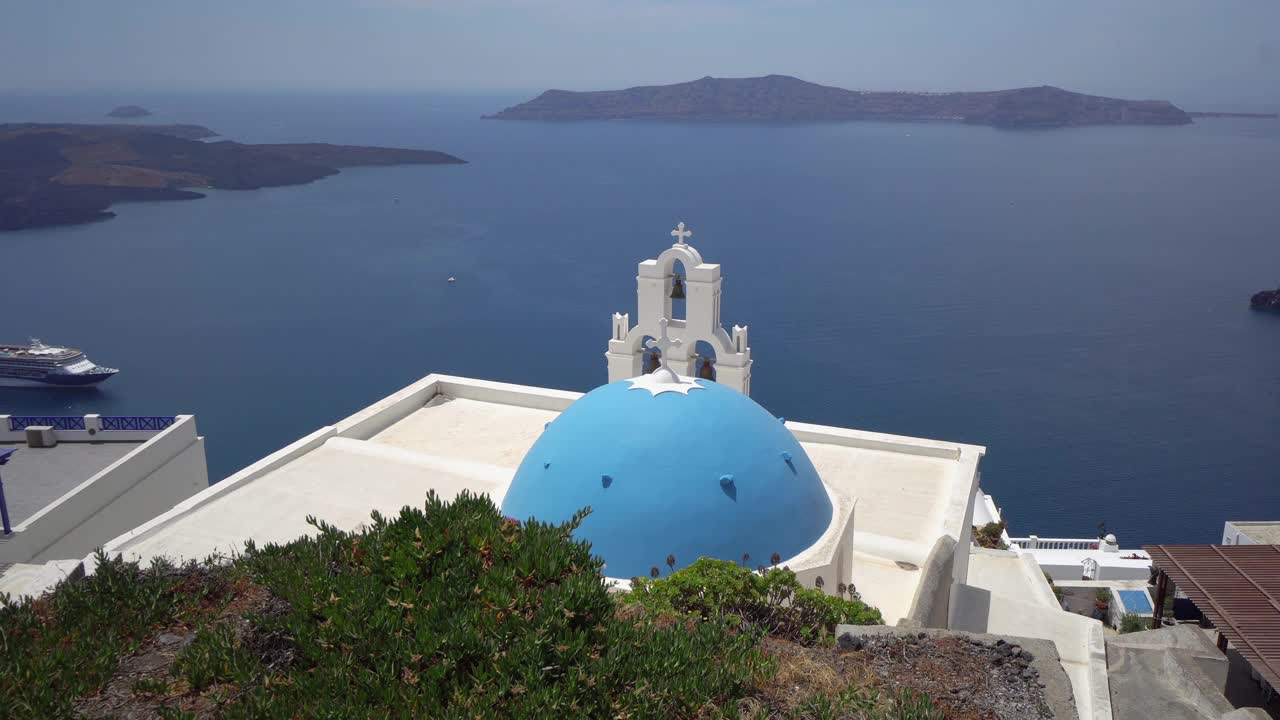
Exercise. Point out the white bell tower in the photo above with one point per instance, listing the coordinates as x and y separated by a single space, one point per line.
654 283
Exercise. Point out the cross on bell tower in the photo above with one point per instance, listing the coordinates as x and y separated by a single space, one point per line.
680 234
700 327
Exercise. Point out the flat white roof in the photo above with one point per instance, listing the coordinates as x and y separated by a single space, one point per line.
474 430
1264 532
448 434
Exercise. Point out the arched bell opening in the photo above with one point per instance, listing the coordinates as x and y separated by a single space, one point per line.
677 290
704 360
651 358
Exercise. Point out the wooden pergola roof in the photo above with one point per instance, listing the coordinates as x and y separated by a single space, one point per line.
1238 588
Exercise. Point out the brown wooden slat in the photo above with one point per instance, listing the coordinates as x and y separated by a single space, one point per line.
1238 588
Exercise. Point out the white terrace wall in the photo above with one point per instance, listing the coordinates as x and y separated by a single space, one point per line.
957 516
152 478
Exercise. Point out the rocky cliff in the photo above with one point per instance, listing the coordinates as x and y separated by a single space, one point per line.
1268 300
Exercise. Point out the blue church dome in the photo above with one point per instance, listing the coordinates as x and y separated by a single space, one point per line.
707 472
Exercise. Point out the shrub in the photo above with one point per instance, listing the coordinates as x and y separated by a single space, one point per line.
66 644
989 536
770 601
1057 591
1130 622
450 611
215 656
458 611
856 702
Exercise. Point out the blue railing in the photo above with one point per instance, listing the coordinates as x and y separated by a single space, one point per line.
144 423
59 422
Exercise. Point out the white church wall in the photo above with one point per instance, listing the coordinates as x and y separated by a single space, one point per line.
831 557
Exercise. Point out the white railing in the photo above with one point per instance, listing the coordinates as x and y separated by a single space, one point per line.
1032 542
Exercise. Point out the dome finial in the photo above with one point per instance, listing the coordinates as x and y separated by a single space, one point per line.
664 379
664 373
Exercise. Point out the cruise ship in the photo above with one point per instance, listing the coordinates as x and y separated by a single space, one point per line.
40 365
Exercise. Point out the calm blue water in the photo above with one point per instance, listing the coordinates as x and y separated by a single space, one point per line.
1074 300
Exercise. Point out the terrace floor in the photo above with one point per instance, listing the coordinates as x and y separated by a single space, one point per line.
35 477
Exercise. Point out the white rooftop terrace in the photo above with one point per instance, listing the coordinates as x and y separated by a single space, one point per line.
1244 532
448 434
103 476
35 477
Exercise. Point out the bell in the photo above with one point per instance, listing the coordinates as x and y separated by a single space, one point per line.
706 372
677 289
653 364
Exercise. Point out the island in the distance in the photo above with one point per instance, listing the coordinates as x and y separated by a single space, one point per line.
54 174
788 99
129 111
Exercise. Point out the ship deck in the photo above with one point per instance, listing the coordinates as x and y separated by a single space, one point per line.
22 352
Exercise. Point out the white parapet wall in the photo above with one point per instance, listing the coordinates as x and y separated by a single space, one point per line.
828 564
163 471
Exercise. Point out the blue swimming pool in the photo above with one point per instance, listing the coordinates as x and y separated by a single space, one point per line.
1135 601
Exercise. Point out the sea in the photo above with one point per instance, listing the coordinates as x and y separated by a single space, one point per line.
1074 300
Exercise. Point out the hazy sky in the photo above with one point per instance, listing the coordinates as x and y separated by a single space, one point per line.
1182 50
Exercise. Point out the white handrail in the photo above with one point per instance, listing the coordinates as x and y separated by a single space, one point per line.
1032 542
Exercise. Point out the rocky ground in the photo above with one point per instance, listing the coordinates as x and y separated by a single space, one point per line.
967 678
